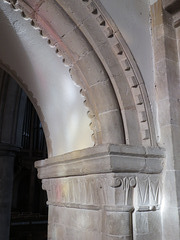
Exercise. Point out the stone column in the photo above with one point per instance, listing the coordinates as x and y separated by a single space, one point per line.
7 154
147 214
91 193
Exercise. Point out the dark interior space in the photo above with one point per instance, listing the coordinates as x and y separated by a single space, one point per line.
29 209
19 118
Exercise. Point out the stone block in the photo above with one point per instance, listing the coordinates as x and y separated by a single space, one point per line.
164 112
169 31
156 12
78 12
161 85
173 76
167 79
147 226
72 223
61 23
118 224
59 232
92 68
129 149
142 226
126 100
175 139
159 49
174 112
170 220
104 94
169 190
171 49
155 151
165 29
81 235
79 219
112 133
76 43
166 140
92 31
133 135
110 59
78 78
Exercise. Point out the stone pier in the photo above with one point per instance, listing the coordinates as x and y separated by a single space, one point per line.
108 192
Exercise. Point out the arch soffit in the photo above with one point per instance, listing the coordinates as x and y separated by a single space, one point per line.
82 32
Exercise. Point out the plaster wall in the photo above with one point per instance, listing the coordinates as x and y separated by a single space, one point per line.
47 81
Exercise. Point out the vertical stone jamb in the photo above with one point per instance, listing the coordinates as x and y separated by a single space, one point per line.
167 79
147 217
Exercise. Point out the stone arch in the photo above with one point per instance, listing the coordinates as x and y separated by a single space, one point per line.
84 34
35 85
90 44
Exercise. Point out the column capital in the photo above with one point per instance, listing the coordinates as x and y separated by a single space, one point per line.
103 186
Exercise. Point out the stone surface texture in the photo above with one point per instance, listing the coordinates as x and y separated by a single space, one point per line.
167 77
113 130
96 192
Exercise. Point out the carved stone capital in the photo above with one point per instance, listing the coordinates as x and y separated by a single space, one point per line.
105 175
92 191
149 191
101 188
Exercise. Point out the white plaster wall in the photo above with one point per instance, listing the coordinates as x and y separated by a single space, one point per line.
133 20
24 50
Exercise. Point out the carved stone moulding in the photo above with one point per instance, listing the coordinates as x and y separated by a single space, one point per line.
97 40
149 192
106 158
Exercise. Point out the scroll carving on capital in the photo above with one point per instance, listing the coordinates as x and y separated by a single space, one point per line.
125 182
124 189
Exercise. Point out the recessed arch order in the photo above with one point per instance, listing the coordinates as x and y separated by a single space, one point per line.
100 62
